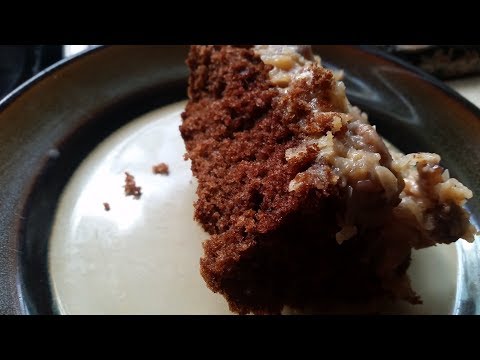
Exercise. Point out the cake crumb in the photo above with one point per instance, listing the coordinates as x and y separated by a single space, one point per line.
161 168
131 188
106 206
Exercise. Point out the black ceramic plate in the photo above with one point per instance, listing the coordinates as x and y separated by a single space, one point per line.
50 124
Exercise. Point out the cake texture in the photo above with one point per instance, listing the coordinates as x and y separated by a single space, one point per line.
303 201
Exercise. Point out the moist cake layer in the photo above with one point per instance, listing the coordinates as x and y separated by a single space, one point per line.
301 197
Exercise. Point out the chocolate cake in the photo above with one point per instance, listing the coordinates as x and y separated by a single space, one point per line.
303 201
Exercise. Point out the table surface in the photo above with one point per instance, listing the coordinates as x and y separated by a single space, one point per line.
468 87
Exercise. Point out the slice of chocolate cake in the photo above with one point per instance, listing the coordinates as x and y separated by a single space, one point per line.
303 201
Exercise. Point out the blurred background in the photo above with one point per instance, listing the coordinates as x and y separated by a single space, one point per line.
458 65
18 63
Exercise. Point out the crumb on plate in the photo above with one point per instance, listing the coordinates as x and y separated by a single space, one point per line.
131 188
161 168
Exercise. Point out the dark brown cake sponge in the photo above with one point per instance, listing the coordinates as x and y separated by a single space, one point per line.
236 134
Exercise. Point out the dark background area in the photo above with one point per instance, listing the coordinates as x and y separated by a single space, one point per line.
18 63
